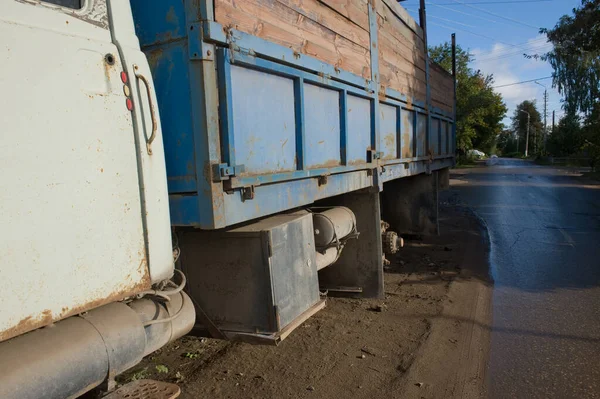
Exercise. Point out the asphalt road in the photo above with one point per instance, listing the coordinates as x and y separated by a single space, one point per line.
544 226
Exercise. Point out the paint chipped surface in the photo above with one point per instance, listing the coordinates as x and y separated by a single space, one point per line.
72 235
94 12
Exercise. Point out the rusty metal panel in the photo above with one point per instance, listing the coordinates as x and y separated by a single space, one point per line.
322 127
388 126
359 130
265 141
444 138
435 141
421 135
70 206
407 132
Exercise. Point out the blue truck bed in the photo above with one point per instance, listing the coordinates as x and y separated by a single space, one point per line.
252 127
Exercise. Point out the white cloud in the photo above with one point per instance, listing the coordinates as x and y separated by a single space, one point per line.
507 65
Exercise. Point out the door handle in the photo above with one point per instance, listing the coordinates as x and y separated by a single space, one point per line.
141 77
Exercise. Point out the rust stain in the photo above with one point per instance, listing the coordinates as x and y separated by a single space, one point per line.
327 164
357 162
46 318
390 141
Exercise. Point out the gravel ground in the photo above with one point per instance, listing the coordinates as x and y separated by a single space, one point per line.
361 348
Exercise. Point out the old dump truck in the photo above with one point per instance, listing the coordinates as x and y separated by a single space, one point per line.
217 166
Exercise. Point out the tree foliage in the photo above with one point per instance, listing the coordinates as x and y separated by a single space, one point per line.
567 138
536 127
479 110
575 57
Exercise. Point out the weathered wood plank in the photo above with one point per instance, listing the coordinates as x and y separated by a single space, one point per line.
272 20
355 10
403 61
403 15
330 19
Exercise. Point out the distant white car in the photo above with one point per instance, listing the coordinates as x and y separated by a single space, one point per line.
476 153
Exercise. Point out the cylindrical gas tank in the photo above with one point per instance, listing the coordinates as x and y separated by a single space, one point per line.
331 223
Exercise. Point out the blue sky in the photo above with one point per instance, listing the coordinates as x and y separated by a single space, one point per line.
498 35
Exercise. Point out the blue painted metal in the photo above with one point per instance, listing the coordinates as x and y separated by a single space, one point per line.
388 126
422 134
405 169
225 108
435 131
241 114
375 120
299 115
265 141
343 126
399 132
262 48
407 133
358 124
322 127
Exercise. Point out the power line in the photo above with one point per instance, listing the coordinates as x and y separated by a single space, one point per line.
531 43
519 83
449 20
473 33
497 2
465 13
497 15
514 53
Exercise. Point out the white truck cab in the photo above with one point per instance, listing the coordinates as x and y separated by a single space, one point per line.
83 194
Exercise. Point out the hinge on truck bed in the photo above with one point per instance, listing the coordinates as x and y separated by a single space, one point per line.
372 155
223 171
247 193
197 48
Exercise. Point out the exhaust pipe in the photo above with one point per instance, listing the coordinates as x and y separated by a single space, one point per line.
332 228
75 355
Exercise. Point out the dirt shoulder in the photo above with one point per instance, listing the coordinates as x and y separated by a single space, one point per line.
423 340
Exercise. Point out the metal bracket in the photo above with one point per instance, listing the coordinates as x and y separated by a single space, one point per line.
197 48
322 180
222 171
373 155
247 193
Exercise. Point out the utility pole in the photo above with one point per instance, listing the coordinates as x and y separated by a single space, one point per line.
553 116
527 137
545 110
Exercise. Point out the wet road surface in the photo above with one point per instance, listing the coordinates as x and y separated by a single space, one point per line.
544 227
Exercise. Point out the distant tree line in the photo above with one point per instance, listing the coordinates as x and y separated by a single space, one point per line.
479 109
575 58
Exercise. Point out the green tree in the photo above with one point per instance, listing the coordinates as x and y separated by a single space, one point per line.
536 127
575 56
567 138
507 142
479 110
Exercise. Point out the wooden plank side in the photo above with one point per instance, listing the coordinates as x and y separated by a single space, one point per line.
411 53
442 87
273 21
393 78
390 23
391 53
355 10
404 16
330 19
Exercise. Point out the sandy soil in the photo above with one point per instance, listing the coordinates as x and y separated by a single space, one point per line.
425 339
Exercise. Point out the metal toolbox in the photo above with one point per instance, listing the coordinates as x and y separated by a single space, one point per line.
264 284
